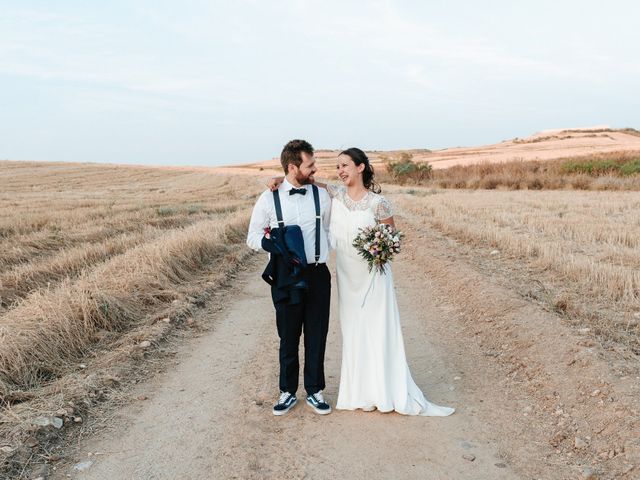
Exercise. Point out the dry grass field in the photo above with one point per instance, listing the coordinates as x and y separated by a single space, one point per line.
92 258
584 245
605 171
99 264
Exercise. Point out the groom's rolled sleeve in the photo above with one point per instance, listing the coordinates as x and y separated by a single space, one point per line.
259 221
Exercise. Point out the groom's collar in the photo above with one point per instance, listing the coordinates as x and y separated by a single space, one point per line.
286 185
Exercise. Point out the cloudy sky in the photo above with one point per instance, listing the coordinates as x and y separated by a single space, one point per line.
210 82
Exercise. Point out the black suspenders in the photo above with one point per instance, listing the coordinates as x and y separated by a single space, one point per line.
316 201
276 201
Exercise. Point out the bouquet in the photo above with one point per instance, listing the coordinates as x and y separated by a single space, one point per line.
378 244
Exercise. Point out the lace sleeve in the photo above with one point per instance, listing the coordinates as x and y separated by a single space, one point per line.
334 190
383 209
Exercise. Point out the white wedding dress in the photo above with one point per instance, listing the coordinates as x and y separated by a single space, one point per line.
374 371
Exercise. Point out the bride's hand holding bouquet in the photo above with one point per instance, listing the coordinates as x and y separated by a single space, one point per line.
378 244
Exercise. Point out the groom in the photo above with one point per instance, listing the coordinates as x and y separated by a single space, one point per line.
307 310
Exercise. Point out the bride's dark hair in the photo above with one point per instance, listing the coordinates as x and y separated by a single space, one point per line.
359 158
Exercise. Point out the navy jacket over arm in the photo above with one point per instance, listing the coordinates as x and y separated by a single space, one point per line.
287 259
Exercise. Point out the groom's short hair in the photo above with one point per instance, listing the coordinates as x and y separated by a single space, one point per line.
292 153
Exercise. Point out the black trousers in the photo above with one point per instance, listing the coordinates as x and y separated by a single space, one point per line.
310 316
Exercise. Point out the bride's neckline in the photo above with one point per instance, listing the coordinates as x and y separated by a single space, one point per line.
346 192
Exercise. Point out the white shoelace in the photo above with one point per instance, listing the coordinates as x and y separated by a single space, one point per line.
319 396
283 397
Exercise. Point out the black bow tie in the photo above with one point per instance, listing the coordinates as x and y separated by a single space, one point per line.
301 191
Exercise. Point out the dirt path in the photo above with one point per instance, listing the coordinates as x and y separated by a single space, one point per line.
210 415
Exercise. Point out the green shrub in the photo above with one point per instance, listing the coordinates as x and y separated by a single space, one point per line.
630 167
404 169
194 208
166 211
596 168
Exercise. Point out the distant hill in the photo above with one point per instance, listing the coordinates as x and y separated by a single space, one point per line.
544 145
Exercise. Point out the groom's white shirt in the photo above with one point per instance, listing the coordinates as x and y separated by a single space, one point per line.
297 209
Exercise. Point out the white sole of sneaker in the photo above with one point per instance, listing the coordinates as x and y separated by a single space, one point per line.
319 412
279 413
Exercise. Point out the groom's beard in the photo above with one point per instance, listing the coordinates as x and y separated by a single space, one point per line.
304 179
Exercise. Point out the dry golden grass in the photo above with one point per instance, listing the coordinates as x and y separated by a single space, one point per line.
89 253
591 172
587 241
92 257
51 326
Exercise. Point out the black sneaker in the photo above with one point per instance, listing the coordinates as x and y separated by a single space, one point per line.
285 403
316 401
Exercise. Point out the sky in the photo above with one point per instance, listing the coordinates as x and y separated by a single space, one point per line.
226 82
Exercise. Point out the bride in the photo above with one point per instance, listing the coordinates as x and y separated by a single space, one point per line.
374 372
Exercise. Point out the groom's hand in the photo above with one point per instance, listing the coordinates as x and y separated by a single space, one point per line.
269 243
